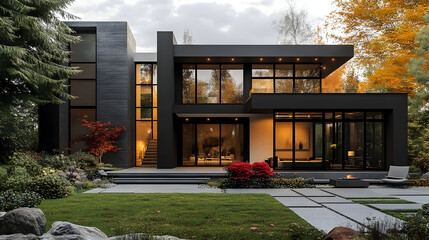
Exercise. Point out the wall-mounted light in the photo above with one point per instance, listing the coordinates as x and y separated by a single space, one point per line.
236 119
233 59
261 59
280 59
208 119
316 59
187 119
297 59
208 59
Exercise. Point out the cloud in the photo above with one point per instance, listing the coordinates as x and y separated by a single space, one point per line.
211 22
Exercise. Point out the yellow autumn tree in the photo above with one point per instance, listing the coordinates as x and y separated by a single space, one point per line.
383 33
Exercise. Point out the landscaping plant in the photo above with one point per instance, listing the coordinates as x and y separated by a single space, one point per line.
101 137
10 200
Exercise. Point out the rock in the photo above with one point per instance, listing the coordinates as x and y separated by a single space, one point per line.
70 231
342 233
2 214
23 220
106 169
18 236
425 176
101 172
136 236
97 181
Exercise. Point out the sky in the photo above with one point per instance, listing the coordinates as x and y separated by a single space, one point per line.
209 21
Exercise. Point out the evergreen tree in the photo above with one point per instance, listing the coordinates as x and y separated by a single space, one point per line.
33 50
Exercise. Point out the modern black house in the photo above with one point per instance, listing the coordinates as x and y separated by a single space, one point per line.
213 105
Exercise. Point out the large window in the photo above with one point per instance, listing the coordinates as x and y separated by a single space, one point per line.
212 144
82 86
146 108
329 140
212 83
286 78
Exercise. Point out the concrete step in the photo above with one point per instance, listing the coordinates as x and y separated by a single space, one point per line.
151 161
160 180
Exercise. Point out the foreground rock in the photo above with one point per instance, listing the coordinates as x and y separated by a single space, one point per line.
23 220
70 231
342 233
138 236
19 236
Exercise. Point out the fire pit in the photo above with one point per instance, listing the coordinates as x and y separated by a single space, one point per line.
348 182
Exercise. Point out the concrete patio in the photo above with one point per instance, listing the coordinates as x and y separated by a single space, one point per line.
324 208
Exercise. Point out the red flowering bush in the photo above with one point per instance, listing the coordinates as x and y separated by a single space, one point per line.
240 171
262 169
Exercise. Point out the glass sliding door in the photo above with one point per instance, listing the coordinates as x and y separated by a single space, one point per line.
188 150
283 144
231 143
208 145
374 145
354 145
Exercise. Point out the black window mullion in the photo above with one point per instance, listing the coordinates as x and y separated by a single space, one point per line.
293 79
364 140
196 82
293 140
220 84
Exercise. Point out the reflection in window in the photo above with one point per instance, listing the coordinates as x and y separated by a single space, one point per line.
143 135
232 144
262 86
262 70
188 150
208 144
375 145
284 143
84 90
144 74
284 70
232 83
84 51
188 84
307 85
144 96
307 70
354 115
354 146
284 85
208 80
143 113
76 129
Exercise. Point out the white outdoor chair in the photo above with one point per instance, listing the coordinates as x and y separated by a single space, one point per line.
397 175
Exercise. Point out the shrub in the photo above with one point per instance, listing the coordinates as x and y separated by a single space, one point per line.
83 160
422 162
299 232
240 171
51 186
3 177
27 161
84 185
297 182
18 180
419 182
57 161
262 169
10 200
417 226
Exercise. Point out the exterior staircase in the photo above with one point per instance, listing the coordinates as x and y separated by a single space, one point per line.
151 155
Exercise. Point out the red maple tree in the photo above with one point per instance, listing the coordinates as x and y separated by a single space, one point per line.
102 137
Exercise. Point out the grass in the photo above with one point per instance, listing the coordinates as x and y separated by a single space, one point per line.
370 201
401 214
199 216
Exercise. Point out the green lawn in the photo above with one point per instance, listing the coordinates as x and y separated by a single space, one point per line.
199 216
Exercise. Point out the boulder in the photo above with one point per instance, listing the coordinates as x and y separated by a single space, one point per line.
102 173
342 233
2 214
70 231
18 236
23 220
425 176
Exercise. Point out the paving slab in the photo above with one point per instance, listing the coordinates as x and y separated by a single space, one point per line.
313 192
273 192
297 202
416 199
356 193
363 214
397 206
324 219
334 199
95 190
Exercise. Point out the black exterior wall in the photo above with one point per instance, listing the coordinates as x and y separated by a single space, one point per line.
115 78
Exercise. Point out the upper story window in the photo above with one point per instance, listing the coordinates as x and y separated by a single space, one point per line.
212 83
286 78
